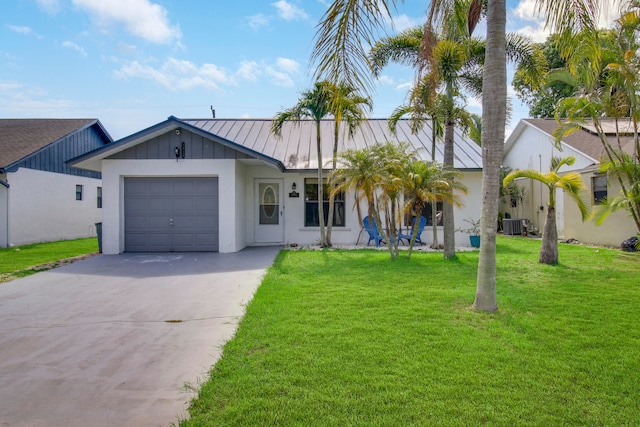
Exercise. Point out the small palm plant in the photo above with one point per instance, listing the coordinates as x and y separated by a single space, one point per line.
571 183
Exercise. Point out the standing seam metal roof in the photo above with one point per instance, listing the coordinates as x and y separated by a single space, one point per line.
296 147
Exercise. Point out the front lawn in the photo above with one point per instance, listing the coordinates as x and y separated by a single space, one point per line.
338 338
20 261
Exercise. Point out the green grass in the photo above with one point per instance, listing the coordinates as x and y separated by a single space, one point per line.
20 261
351 338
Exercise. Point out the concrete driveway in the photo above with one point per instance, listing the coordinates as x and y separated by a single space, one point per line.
112 340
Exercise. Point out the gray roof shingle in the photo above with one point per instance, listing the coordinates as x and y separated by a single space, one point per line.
21 137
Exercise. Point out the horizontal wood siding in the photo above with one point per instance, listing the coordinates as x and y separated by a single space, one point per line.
52 158
196 147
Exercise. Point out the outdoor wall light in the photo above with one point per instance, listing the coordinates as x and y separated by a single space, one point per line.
176 151
293 187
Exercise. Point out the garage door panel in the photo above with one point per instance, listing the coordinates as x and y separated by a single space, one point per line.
159 222
183 205
205 222
208 204
159 204
171 214
158 186
136 187
137 222
184 224
204 188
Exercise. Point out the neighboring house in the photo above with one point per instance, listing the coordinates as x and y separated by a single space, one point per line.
41 198
223 184
531 146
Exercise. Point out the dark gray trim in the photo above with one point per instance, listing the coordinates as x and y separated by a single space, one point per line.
4 183
170 124
232 144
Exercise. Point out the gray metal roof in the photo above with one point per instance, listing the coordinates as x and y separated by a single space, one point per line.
296 147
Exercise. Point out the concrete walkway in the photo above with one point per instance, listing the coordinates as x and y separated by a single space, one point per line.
90 344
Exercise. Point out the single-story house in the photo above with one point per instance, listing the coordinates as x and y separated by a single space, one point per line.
223 184
532 145
41 198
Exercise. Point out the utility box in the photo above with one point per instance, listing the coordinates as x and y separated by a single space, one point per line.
512 226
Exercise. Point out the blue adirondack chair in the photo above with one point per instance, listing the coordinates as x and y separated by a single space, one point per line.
370 227
407 237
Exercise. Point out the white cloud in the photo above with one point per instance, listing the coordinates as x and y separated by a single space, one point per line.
73 46
288 11
249 70
50 6
279 78
177 74
140 17
531 22
281 74
386 80
537 33
404 87
20 99
290 66
20 29
258 21
404 22
528 11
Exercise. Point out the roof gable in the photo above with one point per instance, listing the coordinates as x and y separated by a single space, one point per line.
587 140
20 138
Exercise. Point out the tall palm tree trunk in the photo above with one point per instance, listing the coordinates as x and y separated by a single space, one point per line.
334 162
549 249
323 235
434 204
494 112
448 225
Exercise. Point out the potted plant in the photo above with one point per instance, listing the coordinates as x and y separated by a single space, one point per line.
473 231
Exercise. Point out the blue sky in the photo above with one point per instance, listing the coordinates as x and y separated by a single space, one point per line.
133 63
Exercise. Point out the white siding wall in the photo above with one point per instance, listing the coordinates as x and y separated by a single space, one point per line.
4 216
296 232
43 207
114 172
533 149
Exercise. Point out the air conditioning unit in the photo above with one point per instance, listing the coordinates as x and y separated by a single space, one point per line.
512 226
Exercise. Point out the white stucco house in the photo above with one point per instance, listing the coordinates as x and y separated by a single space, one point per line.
224 184
41 198
532 145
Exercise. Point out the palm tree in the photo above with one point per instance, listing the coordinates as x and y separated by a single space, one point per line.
571 183
610 91
341 56
429 182
425 104
314 104
347 107
455 63
393 160
360 173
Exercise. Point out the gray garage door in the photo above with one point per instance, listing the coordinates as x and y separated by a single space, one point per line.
171 214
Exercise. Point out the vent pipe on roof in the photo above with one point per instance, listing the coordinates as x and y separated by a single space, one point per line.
213 112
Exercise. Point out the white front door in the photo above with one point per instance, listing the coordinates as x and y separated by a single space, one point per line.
269 227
